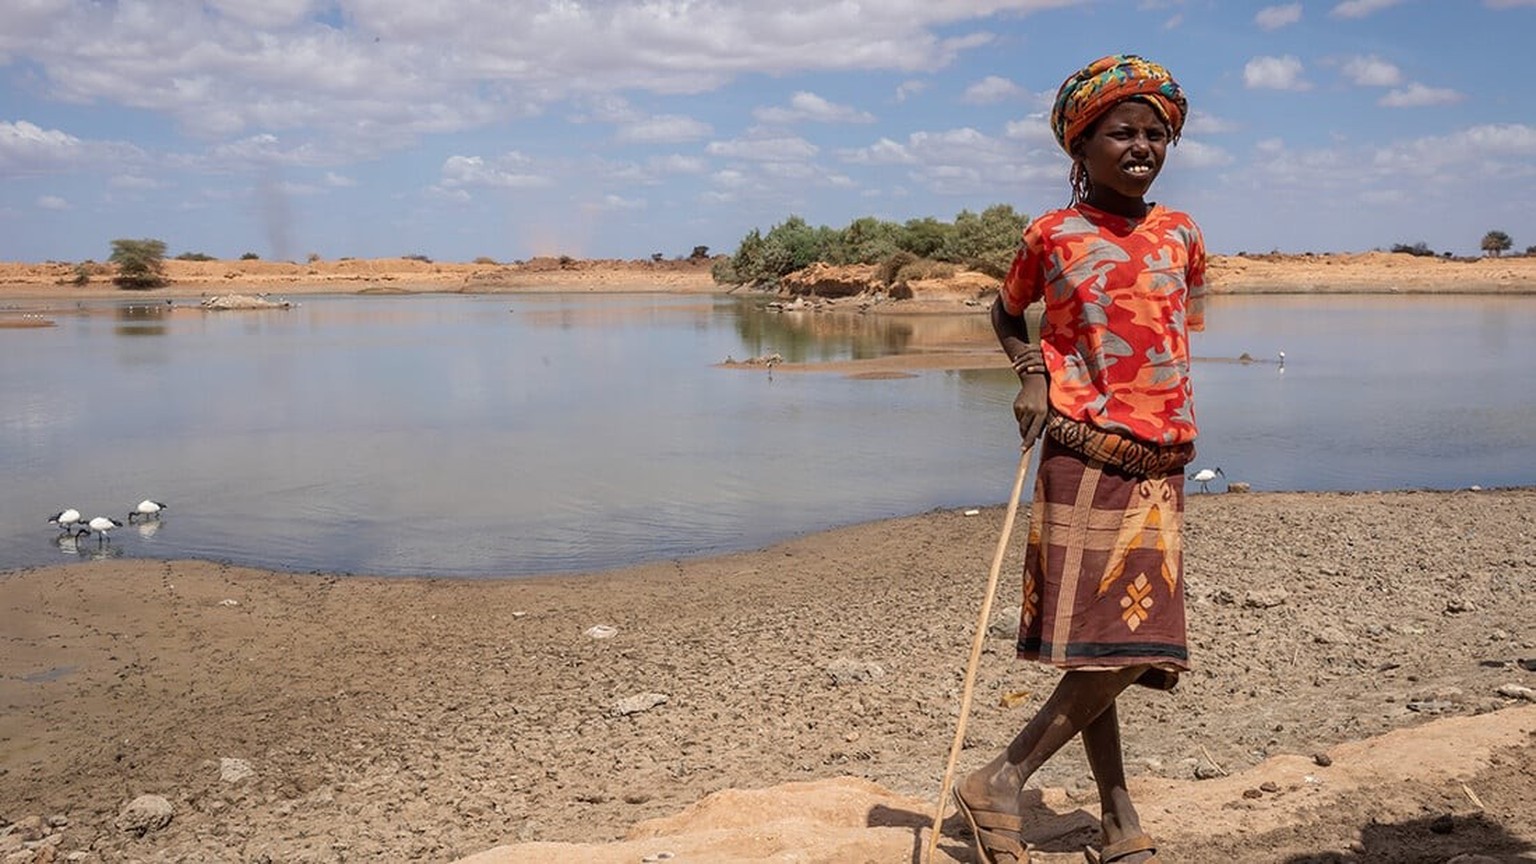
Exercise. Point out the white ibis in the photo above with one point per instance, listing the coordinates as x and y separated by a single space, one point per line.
1204 477
67 519
102 525
146 509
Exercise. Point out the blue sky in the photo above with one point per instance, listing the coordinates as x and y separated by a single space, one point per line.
513 128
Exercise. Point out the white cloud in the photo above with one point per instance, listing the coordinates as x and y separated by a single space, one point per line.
907 89
1275 17
1361 8
52 202
265 15
766 149
1274 73
26 148
1034 129
809 106
1372 71
338 181
1417 95
677 163
461 172
1201 123
991 89
615 203
882 152
390 71
133 181
1195 154
666 128
965 161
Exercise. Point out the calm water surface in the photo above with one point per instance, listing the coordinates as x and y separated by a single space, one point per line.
492 436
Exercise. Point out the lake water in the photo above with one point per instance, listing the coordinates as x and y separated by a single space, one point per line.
504 435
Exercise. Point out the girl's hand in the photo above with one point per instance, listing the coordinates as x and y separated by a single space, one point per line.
1031 406
1029 362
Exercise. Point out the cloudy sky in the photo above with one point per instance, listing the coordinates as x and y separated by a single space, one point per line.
620 128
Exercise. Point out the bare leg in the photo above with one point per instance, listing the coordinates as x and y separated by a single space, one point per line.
1078 699
1101 739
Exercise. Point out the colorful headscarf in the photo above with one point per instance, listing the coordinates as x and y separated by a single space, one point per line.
1108 81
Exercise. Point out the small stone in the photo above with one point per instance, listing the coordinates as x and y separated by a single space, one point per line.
1269 786
1322 759
1443 824
144 814
845 671
1005 624
1239 488
1252 793
602 631
1517 691
1207 772
638 703
235 770
1458 605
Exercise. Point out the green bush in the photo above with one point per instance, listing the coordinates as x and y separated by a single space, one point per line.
985 241
195 256
250 256
140 263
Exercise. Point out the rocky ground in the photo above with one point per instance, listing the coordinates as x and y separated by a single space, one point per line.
309 717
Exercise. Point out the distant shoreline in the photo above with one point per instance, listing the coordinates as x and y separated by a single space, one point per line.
1337 273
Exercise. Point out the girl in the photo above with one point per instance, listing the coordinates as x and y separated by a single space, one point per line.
1122 282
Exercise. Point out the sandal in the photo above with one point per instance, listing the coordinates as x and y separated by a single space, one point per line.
986 833
1116 851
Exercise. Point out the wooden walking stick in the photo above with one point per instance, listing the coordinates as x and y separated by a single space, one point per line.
976 645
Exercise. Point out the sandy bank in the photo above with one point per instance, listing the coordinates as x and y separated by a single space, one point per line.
434 719
1370 272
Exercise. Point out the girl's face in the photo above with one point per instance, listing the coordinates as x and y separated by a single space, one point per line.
1123 154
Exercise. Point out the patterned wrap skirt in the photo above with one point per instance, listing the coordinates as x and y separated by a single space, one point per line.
1104 570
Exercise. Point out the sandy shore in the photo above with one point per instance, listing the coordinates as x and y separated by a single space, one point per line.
287 717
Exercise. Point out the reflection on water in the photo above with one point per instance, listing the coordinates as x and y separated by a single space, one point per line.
142 319
505 435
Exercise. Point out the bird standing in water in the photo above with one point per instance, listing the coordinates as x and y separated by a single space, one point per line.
67 519
102 525
147 509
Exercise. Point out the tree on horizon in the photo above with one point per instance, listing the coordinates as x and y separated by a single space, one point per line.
1496 242
140 263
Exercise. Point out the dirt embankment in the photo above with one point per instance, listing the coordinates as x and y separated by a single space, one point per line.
1363 273
198 278
1368 272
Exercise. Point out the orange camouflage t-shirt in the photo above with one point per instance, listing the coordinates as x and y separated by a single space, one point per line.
1120 297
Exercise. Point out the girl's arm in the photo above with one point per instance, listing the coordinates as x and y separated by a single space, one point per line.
1032 404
